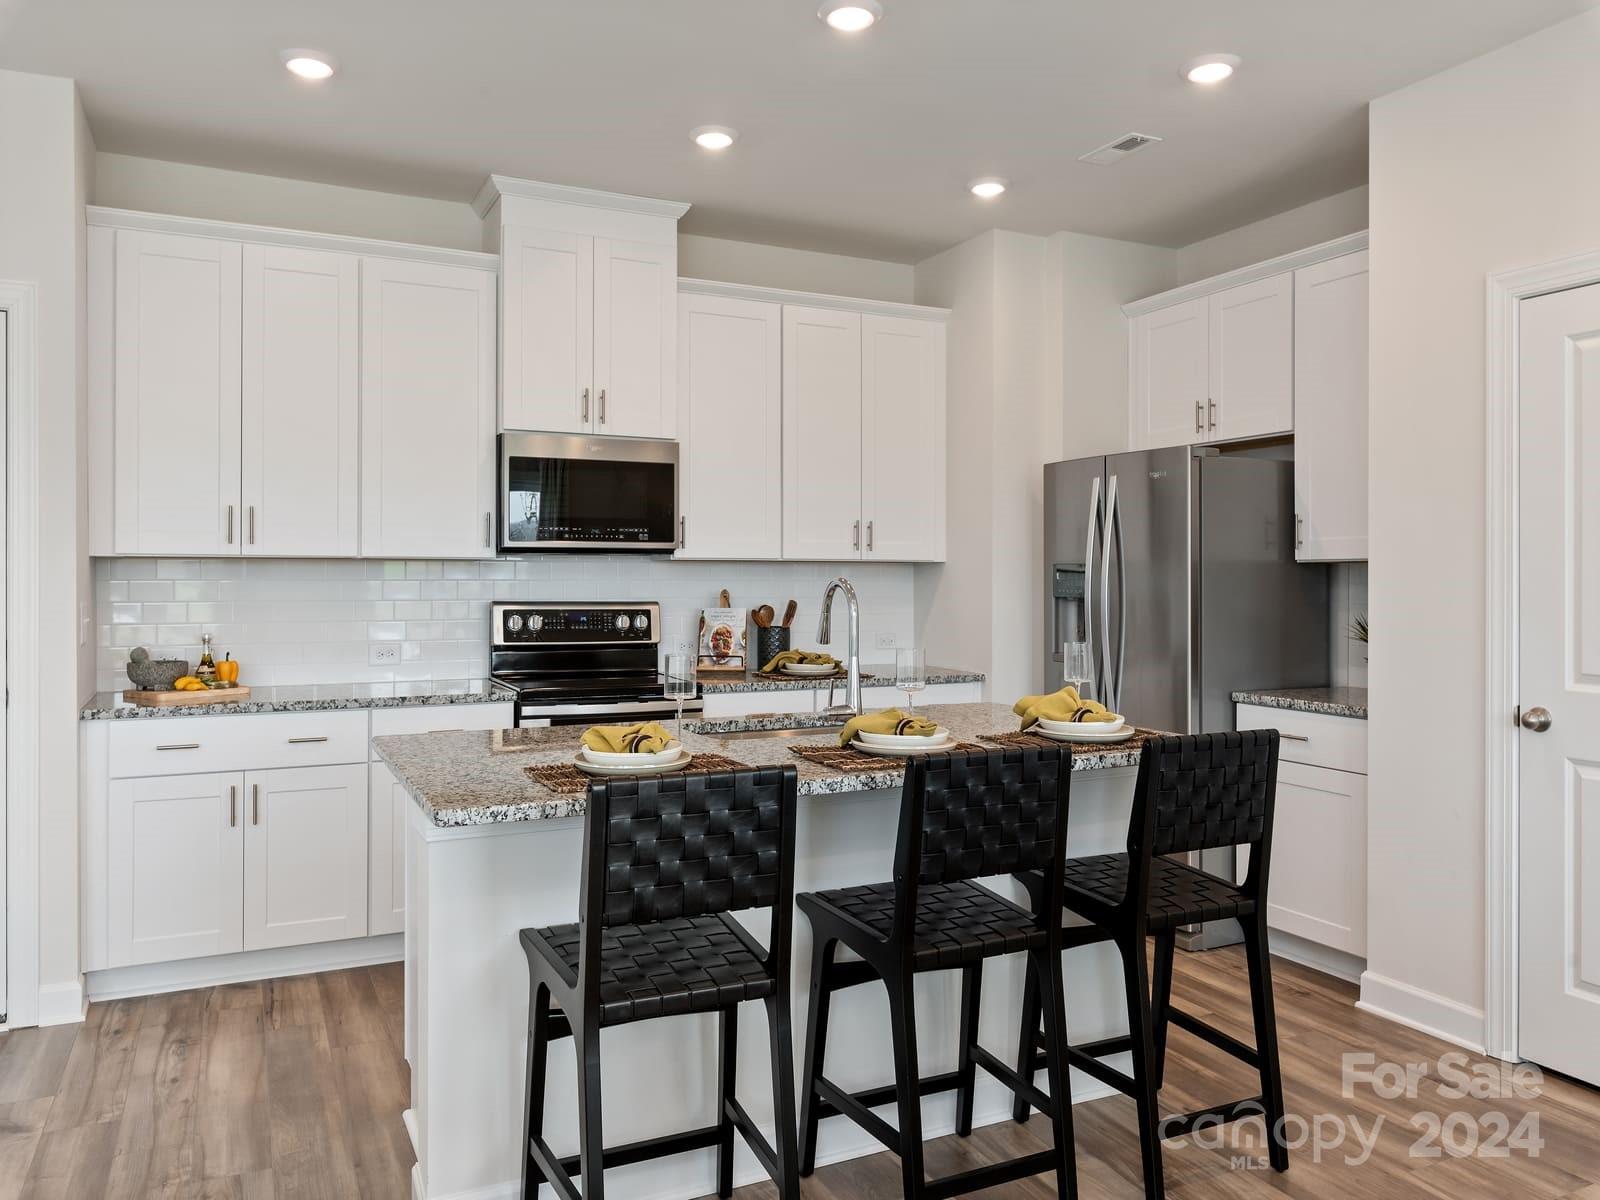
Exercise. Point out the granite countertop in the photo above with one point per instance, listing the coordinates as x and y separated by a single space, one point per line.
883 676
1328 701
322 697
477 777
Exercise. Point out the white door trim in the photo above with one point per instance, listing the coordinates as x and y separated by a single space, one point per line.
20 300
1505 292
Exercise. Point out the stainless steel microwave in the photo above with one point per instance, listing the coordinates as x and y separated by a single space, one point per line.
561 491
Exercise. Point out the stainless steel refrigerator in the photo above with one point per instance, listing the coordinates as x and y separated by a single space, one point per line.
1177 567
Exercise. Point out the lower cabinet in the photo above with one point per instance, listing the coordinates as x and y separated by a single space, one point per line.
305 856
1318 886
386 855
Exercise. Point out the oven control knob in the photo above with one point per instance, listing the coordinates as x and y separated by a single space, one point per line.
514 623
621 623
535 622
641 622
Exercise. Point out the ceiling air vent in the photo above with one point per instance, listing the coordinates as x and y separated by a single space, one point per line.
1119 149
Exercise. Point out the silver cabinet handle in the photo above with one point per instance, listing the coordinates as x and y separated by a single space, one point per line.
1536 720
252 524
869 535
602 406
301 741
233 806
488 530
180 746
1199 417
230 524
855 536
585 413
255 804
1293 737
1299 523
683 533
1211 414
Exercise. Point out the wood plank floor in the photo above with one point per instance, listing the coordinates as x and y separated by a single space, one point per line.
294 1088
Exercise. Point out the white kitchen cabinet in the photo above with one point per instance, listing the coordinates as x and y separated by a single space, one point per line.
386 842
1251 360
428 387
305 856
730 427
1330 410
176 385
635 338
301 353
902 438
547 354
821 433
174 868
1318 885
1169 372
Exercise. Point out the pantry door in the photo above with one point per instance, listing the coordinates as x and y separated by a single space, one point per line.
1559 688
5 761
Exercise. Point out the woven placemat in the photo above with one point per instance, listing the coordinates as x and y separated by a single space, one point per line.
567 780
785 677
1037 741
842 758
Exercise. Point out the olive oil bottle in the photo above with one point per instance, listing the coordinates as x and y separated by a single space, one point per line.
206 672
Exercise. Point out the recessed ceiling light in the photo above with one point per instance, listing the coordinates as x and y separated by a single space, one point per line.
1211 68
851 16
988 188
713 137
309 64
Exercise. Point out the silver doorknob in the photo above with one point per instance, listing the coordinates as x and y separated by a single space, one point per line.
1536 719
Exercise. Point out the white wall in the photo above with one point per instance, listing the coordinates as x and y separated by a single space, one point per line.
42 136
1320 221
1483 168
802 270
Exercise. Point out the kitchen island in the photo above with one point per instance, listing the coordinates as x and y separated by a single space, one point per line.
490 851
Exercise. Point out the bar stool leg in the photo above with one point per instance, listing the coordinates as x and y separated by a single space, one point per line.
816 1045
1136 978
1047 969
1161 1001
727 1070
783 1144
1259 961
1028 1044
907 1078
533 1088
971 991
591 1141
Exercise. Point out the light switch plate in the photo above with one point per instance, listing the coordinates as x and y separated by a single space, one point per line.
886 641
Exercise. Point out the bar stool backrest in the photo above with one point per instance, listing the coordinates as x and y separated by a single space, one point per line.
972 815
1202 792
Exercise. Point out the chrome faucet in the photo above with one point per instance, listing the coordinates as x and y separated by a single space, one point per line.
852 668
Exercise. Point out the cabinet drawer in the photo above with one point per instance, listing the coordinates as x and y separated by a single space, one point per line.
431 718
260 741
1314 739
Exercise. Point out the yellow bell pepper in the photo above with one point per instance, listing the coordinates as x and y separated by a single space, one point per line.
228 670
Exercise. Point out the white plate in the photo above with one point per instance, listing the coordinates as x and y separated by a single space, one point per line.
1080 733
938 737
901 751
1059 726
590 768
807 669
608 758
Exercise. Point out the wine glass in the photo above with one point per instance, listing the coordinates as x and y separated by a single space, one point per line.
1076 670
680 684
910 674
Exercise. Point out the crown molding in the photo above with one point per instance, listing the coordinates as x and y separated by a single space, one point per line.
745 291
1337 248
497 186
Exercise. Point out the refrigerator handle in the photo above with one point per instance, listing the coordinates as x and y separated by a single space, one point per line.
1088 582
1115 519
1108 689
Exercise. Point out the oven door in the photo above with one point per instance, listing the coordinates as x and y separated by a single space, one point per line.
526 715
572 492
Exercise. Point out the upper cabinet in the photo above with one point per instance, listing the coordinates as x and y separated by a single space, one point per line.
902 438
1330 428
821 433
1170 353
589 309
1252 360
286 394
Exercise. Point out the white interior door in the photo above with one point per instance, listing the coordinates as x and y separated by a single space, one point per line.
301 352
1559 618
5 816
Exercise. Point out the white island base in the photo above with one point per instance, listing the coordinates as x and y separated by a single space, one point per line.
469 890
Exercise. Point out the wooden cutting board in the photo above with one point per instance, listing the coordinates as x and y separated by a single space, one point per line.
230 695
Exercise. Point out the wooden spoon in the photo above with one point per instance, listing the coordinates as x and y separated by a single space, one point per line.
726 599
789 612
764 616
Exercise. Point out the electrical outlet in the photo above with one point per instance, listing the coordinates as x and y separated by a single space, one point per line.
384 653
886 641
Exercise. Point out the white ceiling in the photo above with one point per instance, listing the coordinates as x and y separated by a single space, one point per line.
860 145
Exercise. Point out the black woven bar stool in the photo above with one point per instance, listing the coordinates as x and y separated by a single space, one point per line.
666 861
1193 793
962 817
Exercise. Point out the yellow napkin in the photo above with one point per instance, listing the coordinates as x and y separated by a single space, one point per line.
810 658
890 720
648 737
1065 705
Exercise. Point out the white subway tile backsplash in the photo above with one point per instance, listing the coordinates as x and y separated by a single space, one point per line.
304 621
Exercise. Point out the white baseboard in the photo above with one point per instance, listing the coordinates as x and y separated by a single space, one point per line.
1422 1010
1318 957
62 1003
152 979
